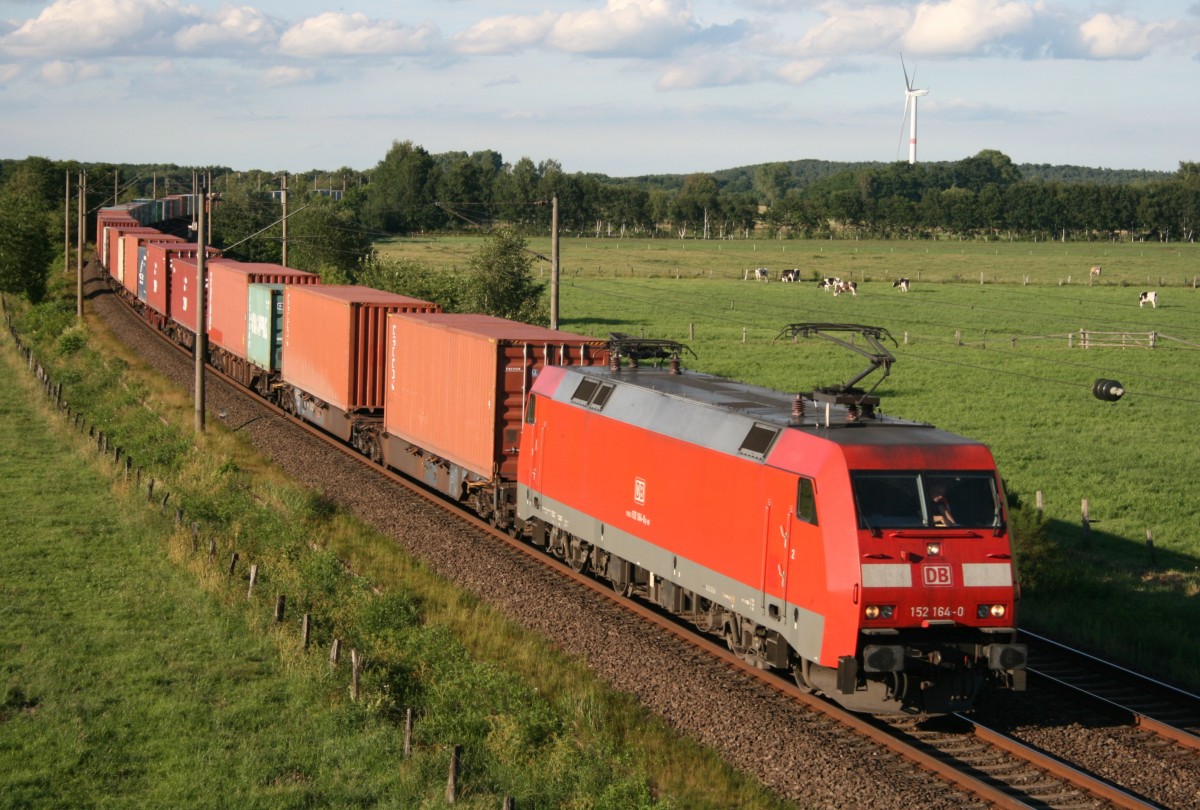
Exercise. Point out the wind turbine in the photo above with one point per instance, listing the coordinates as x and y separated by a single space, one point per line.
911 95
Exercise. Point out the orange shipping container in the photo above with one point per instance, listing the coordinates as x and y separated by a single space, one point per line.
229 295
457 385
334 341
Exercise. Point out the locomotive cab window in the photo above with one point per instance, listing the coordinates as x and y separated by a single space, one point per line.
531 410
806 501
947 499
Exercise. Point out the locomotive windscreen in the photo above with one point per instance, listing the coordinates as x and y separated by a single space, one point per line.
906 500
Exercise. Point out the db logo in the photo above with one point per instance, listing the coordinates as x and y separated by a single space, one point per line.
639 490
936 576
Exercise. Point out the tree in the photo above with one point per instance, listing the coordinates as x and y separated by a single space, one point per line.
400 198
500 281
324 236
26 248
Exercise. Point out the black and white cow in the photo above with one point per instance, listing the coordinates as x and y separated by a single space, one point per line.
762 274
790 275
829 283
901 284
1150 297
846 286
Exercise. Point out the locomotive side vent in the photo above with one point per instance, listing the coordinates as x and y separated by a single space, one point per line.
758 441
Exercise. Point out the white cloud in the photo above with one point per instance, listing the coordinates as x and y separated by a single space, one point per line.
799 71
9 72
621 28
509 34
283 75
335 34
855 30
60 73
714 72
626 27
231 27
92 27
966 26
1108 36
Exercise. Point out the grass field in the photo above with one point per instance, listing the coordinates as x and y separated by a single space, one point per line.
1000 361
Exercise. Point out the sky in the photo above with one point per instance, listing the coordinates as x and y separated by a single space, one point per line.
618 87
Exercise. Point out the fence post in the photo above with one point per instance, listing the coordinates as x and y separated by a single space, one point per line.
1150 545
1041 501
335 652
280 604
1087 524
253 579
355 669
452 779
233 558
306 629
408 723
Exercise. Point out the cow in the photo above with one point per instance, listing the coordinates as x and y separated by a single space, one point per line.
845 286
829 283
790 275
762 274
901 284
1150 297
1095 271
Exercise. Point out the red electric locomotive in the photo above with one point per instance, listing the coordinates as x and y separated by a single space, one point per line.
868 555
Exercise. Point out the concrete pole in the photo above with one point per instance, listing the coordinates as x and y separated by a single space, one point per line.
554 261
283 197
67 226
79 246
201 306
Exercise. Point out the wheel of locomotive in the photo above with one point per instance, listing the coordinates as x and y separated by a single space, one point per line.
578 554
800 670
556 543
707 615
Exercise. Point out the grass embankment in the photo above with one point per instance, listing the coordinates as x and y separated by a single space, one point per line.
138 671
991 361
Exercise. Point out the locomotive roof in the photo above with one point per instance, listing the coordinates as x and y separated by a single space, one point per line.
654 397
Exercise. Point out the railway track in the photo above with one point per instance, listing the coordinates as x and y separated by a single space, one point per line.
1150 704
991 769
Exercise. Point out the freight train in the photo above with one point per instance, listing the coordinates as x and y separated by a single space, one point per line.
866 555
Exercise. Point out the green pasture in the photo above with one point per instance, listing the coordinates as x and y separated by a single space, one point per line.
1144 265
1001 362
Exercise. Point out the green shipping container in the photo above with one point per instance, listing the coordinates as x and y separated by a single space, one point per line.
264 325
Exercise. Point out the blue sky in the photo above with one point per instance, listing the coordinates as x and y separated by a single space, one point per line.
621 87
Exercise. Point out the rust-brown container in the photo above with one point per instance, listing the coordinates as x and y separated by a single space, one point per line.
229 297
457 385
334 341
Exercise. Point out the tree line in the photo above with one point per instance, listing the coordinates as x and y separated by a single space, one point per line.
336 216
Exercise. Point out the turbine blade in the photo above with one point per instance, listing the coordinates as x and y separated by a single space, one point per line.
907 82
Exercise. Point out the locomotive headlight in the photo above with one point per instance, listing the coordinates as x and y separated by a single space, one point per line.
879 611
933 549
991 611
998 611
